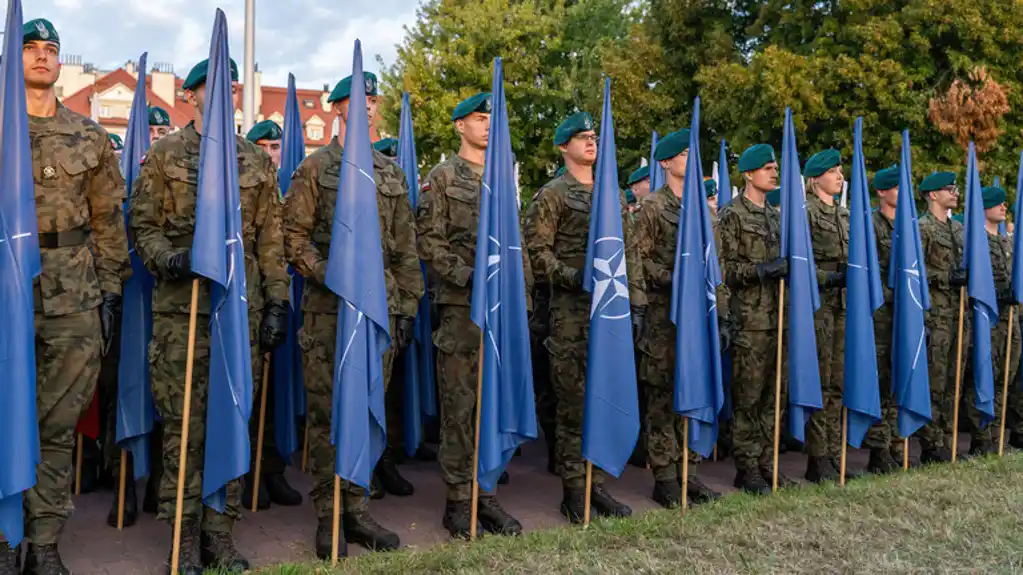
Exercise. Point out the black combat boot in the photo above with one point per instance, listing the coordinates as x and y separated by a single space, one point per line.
819 470
219 552
325 540
1016 440
881 462
151 501
495 519
573 504
263 499
280 492
784 481
189 555
457 516
607 506
836 462
391 479
936 455
44 560
376 488
751 481
361 528
667 494
10 559
698 491
981 446
131 503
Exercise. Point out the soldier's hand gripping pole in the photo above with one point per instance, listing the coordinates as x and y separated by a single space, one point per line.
185 415
777 388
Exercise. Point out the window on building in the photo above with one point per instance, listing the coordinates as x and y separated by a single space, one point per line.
104 111
315 132
308 103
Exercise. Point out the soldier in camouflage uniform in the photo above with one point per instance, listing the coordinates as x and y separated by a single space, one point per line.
447 222
78 192
885 448
556 235
829 228
984 440
308 222
749 251
159 123
656 231
162 223
942 240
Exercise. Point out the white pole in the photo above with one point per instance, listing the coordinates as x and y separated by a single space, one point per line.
249 89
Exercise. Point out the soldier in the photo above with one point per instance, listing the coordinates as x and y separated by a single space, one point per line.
982 440
308 222
750 262
159 123
273 487
885 449
656 230
639 183
447 222
829 228
556 235
78 192
162 223
942 240
710 188
117 144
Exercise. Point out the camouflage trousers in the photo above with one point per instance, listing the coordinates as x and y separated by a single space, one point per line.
824 430
884 435
168 357
67 364
999 335
941 366
273 463
317 340
753 384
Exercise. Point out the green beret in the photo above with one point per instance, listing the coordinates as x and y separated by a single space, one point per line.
578 122
821 162
158 116
387 147
672 145
755 157
711 187
639 175
629 196
774 197
118 145
993 197
40 29
937 181
197 76
478 103
265 130
887 178
343 89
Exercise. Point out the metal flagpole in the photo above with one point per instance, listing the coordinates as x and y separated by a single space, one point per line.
249 88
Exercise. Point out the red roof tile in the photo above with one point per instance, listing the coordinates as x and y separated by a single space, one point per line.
80 102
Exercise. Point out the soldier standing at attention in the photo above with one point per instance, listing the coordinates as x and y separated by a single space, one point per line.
829 228
942 240
639 183
557 234
749 255
159 123
79 193
308 222
163 205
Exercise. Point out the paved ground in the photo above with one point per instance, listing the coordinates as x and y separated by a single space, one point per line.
282 534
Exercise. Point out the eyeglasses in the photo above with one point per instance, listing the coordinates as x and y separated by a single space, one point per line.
585 137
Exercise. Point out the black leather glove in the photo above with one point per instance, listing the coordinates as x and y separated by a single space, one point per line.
1006 298
273 330
406 330
110 319
179 266
958 277
726 332
773 270
834 280
638 324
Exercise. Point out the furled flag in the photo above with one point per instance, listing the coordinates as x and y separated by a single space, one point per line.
698 389
656 171
803 297
286 359
355 272
507 407
907 277
19 263
861 396
981 289
420 386
611 411
218 254
724 180
135 410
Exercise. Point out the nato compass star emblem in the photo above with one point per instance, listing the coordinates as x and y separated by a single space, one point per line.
609 281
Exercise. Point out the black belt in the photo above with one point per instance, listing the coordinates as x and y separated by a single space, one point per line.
53 240
186 241
828 266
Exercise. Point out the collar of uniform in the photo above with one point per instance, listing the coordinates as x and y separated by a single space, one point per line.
669 196
192 138
821 204
476 169
62 122
885 220
750 205
574 183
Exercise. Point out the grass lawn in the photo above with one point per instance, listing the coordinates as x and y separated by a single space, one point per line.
938 519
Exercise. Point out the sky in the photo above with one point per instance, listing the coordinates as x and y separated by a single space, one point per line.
312 39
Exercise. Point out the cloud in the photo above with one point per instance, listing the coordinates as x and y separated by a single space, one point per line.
309 38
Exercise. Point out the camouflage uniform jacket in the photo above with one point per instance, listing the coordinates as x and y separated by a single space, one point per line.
750 234
883 230
1001 265
942 244
557 234
829 228
309 220
163 220
448 218
79 195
